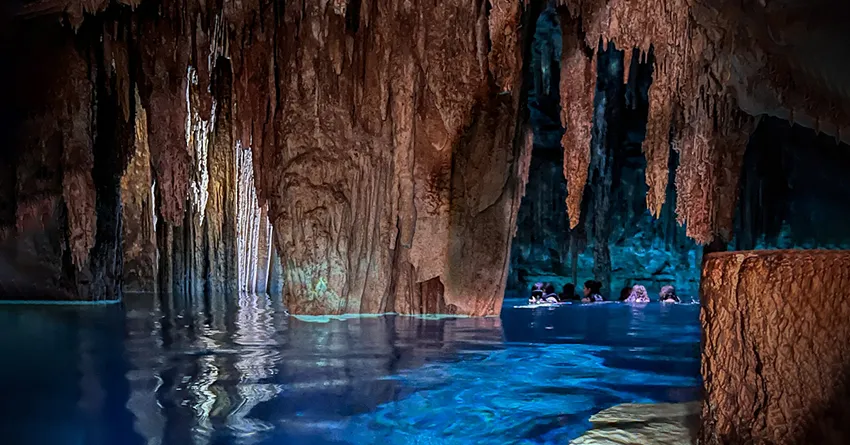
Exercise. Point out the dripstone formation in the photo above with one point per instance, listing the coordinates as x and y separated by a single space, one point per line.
373 154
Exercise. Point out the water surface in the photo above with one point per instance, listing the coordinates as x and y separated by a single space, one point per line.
239 371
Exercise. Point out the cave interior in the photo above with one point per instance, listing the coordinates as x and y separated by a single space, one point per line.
394 156
175 154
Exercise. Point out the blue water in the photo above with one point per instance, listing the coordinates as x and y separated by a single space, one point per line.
240 371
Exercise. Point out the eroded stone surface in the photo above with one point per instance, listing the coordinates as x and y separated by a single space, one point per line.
775 360
644 424
387 138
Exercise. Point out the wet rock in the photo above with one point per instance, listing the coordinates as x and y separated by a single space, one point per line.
644 424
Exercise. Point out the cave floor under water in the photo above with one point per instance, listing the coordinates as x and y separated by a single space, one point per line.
240 371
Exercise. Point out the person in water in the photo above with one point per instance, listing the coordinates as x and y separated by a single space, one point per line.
625 292
668 295
569 293
592 290
638 295
536 293
549 295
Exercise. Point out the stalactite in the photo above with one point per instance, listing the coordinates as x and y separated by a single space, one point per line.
731 145
711 152
165 61
275 284
524 163
263 253
696 180
578 85
137 213
253 231
657 144
504 58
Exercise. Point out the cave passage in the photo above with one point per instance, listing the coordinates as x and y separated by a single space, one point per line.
617 240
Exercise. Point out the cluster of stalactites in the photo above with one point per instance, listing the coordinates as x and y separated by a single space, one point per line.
683 106
179 36
711 152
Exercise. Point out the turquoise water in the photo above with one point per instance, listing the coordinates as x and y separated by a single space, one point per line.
240 371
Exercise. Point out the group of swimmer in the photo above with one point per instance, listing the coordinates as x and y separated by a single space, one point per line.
542 293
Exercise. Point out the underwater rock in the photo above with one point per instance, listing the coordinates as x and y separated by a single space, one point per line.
643 424
775 361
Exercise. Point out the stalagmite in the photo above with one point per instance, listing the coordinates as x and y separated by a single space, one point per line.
578 85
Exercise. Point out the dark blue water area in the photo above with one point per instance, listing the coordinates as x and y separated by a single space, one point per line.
238 370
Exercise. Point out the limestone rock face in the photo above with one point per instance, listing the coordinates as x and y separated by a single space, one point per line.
776 350
396 188
643 424
387 138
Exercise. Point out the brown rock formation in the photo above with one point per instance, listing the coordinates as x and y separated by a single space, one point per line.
385 136
643 423
137 213
220 216
775 360
578 86
404 169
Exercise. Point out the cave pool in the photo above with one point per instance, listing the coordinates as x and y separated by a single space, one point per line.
223 371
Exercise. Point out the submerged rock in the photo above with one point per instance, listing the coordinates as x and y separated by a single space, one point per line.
643 424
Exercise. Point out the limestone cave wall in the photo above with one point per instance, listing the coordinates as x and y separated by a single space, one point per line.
388 140
378 146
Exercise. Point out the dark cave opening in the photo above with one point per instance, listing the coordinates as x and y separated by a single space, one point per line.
794 190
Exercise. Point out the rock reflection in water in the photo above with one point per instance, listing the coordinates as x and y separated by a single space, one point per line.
238 370
214 370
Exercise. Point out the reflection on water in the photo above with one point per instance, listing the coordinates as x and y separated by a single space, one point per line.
239 371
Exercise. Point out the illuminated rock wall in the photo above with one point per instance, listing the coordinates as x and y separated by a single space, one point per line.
388 138
775 359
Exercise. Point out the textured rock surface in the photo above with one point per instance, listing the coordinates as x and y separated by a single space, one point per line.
404 173
138 214
388 138
643 424
775 360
